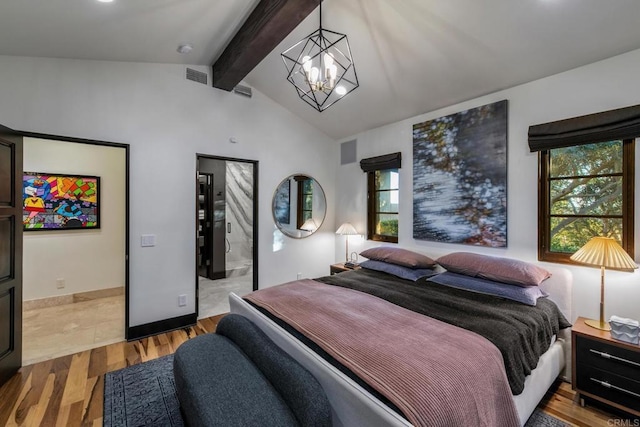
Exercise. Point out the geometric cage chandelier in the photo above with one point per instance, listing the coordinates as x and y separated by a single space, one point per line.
321 68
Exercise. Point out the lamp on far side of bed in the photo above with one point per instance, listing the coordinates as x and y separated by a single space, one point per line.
347 229
309 225
603 252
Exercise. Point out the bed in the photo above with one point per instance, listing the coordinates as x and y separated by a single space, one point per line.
356 405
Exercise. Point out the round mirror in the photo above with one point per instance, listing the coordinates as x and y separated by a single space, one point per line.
299 206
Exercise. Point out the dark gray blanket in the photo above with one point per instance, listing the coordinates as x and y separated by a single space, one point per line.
522 333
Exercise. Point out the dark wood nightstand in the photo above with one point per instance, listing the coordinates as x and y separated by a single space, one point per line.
605 369
340 267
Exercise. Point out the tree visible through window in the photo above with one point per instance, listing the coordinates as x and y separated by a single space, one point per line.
586 191
383 205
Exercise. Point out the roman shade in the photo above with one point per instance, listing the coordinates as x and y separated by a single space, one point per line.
387 161
623 123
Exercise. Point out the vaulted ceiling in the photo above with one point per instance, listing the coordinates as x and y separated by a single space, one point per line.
411 56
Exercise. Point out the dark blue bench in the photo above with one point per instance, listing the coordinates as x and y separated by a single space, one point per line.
239 377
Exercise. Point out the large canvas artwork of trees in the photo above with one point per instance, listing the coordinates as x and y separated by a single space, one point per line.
460 177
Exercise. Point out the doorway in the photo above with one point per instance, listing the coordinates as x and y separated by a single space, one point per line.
226 231
74 278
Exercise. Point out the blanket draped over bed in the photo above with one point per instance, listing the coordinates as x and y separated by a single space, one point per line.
454 377
522 333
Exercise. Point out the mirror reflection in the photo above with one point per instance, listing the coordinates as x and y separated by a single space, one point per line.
299 206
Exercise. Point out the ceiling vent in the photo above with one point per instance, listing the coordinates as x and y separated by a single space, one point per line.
242 90
197 76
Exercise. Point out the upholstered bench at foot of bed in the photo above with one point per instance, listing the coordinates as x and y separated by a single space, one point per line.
239 377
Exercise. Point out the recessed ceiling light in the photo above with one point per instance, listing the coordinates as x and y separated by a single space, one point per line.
105 1
185 48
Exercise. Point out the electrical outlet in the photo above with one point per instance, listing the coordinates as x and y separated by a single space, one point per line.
60 283
182 300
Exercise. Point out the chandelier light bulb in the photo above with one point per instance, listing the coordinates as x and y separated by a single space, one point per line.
332 71
306 64
315 73
328 60
341 90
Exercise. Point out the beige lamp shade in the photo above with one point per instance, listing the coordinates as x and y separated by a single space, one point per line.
309 225
347 229
604 252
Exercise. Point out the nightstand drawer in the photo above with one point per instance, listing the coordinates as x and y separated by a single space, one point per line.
608 357
612 387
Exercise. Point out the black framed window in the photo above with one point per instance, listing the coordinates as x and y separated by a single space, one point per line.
586 181
305 200
384 198
585 191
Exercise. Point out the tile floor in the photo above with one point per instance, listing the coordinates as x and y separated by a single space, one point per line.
51 332
214 294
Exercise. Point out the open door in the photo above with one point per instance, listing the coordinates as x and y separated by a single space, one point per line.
10 253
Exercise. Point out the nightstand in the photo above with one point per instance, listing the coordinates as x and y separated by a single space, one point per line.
340 267
605 369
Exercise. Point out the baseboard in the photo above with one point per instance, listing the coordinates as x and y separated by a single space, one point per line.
100 293
35 304
154 328
71 298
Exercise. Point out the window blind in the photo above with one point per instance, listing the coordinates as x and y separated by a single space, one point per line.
623 123
387 161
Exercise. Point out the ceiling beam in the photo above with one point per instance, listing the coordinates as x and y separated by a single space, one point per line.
269 23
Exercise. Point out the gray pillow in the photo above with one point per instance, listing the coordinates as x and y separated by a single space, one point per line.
398 270
527 295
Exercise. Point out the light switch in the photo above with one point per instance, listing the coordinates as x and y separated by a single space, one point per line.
147 240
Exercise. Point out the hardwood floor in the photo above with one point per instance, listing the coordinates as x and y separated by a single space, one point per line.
68 391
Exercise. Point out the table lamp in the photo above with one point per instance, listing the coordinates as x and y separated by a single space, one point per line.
309 225
603 252
347 229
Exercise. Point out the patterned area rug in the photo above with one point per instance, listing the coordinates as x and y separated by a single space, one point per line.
142 395
145 395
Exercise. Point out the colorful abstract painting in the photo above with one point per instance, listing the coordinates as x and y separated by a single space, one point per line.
54 202
460 177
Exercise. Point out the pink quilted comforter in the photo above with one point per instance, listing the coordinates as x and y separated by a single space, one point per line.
436 373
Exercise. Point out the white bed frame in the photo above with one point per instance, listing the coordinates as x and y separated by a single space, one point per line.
352 405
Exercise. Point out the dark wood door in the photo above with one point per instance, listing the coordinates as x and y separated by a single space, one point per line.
10 253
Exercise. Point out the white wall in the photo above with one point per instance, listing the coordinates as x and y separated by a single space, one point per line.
86 259
601 86
167 120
